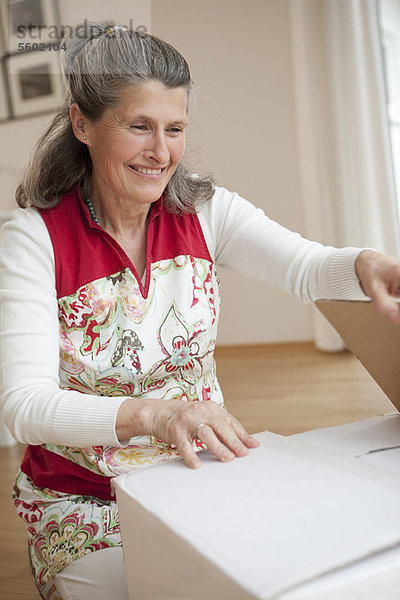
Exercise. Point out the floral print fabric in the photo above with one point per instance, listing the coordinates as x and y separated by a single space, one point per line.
62 527
116 342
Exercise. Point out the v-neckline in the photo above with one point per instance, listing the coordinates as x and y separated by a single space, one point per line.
154 211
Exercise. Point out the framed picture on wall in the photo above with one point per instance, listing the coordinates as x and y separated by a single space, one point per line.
4 105
3 100
35 85
3 43
28 22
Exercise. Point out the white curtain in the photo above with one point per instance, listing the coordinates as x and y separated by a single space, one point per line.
346 178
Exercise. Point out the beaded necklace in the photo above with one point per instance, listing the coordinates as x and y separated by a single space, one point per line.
91 211
90 205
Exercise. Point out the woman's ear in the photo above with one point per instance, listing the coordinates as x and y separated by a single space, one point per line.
79 123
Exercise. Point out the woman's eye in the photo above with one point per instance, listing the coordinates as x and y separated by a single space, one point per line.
175 130
139 127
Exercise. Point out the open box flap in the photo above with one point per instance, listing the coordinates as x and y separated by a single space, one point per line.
372 338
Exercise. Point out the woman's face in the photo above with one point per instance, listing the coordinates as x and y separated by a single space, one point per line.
137 145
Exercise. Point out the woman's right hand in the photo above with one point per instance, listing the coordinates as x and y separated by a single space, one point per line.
178 422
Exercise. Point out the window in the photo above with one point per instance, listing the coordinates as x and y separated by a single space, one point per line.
390 34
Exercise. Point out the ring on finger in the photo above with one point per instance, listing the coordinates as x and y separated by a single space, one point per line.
196 431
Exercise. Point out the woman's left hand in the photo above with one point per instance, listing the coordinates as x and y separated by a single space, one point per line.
379 276
178 422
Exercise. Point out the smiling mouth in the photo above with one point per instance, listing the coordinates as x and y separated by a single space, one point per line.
146 171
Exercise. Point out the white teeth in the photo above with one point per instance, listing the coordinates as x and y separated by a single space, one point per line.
148 171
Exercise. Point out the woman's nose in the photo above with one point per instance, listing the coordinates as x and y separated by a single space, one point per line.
157 149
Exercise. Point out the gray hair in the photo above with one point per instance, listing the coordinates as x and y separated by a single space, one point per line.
100 60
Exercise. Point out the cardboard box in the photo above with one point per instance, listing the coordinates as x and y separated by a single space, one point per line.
375 440
292 520
310 517
372 338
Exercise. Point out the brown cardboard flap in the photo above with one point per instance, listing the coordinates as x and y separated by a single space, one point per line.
372 338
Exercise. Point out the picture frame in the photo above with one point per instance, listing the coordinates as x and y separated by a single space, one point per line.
34 83
4 110
5 114
3 43
28 22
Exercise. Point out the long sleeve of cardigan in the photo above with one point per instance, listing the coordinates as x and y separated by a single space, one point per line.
242 238
238 236
34 407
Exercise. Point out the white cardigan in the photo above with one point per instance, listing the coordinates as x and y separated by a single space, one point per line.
239 237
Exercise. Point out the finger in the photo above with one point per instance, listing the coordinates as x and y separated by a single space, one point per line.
185 449
386 305
218 448
248 440
228 436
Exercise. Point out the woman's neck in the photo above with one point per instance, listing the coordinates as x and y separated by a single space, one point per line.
121 217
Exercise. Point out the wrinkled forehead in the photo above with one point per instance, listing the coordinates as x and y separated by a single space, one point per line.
153 98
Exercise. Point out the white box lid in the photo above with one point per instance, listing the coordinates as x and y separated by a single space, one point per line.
283 515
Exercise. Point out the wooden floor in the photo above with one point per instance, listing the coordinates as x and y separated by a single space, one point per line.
285 388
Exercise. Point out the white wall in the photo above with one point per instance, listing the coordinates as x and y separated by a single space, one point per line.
243 127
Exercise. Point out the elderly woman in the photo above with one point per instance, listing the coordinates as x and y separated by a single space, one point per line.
109 301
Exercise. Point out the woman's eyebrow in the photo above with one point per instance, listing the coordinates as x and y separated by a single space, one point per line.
144 117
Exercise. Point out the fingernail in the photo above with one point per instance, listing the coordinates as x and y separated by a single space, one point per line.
227 456
195 463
